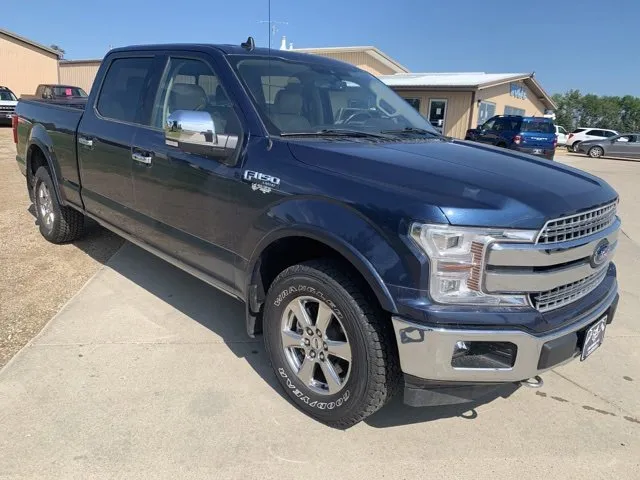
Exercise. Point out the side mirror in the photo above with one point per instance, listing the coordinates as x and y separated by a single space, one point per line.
195 132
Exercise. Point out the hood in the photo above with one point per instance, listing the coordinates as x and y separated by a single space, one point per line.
472 184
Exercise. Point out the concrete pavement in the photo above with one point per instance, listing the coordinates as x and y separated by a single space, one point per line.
147 373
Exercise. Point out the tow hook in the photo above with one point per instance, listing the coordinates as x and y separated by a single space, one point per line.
533 382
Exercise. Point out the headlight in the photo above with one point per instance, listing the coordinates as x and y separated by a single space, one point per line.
457 258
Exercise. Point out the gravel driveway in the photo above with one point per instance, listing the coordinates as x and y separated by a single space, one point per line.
36 277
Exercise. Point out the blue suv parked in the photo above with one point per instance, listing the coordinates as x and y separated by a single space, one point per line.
533 135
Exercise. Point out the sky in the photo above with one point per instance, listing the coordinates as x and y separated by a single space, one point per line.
589 45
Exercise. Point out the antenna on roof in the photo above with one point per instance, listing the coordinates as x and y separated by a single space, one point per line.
249 45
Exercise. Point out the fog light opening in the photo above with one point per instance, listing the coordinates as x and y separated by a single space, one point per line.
493 355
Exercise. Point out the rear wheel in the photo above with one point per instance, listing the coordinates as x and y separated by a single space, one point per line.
57 224
596 152
332 350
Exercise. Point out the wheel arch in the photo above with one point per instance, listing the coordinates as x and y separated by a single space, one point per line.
312 242
40 153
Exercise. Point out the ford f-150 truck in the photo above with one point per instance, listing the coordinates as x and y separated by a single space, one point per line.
371 251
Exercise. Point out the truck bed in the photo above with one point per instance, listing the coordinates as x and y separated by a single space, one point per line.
57 122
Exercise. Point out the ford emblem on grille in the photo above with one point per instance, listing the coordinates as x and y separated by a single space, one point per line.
601 253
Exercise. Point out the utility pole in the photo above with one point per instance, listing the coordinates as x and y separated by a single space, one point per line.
273 26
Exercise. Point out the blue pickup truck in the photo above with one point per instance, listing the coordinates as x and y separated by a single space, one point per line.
532 135
371 251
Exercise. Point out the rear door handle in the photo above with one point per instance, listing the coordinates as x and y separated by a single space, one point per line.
87 142
142 157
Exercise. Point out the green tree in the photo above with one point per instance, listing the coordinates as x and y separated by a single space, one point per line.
58 49
617 113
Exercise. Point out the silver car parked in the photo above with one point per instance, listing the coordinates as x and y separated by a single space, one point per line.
625 146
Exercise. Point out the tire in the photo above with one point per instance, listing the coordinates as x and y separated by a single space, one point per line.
569 148
372 376
57 224
596 152
574 147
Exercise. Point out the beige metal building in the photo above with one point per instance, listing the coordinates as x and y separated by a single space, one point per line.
25 64
455 102
366 58
79 73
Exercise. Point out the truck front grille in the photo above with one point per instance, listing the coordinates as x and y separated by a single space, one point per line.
6 108
579 225
565 294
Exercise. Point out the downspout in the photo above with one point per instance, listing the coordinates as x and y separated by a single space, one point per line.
473 105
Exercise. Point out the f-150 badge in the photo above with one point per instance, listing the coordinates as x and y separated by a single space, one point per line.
261 181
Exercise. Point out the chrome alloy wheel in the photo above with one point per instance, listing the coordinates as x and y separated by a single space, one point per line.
315 345
45 206
596 152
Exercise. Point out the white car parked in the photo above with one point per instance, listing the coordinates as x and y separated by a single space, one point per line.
561 134
8 102
584 133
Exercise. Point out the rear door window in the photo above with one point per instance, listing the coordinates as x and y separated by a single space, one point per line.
596 133
123 88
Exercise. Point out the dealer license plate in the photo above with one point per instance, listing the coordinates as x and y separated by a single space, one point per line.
594 337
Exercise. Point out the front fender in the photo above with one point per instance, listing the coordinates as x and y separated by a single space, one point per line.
38 137
380 256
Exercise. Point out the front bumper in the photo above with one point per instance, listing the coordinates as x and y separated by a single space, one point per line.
426 352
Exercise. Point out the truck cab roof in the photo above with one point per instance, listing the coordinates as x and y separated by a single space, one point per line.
228 49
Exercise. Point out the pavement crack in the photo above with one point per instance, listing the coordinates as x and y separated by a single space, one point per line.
605 400
630 239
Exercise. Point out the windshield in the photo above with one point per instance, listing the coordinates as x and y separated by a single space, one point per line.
68 92
7 95
536 125
301 97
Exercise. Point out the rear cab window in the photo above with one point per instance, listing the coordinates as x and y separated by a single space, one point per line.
122 89
537 125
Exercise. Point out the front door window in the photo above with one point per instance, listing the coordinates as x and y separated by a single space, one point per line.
437 113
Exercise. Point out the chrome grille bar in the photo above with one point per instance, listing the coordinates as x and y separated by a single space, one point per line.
565 294
579 225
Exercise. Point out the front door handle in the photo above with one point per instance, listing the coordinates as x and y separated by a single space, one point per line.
84 141
142 157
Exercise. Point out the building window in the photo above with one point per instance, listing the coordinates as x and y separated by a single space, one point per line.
437 113
486 110
414 102
514 111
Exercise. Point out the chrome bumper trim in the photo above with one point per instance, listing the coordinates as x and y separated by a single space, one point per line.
426 352
532 282
544 255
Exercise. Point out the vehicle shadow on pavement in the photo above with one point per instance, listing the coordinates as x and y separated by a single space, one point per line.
225 317
219 313
396 413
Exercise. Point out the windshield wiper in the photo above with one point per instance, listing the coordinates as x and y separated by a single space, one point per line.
335 132
420 131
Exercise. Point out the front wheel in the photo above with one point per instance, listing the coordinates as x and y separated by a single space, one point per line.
575 146
596 152
332 349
